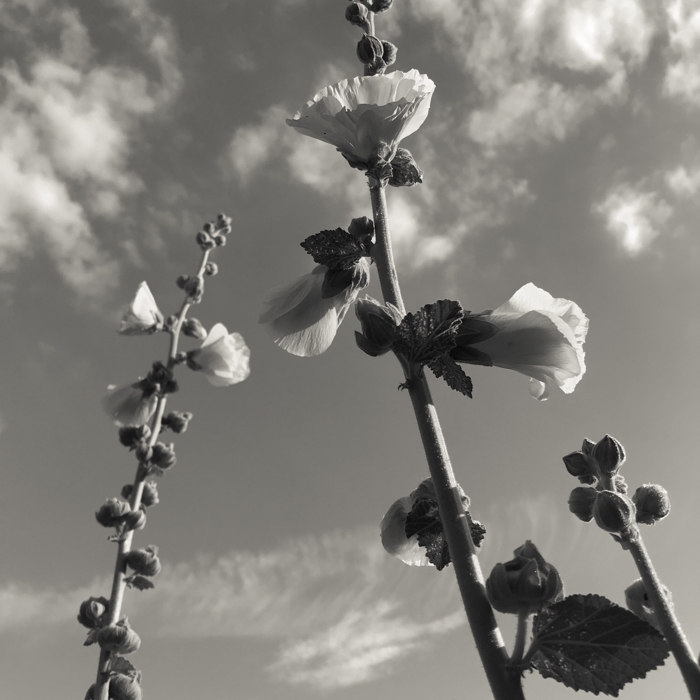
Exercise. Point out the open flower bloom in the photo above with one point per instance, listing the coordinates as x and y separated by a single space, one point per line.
143 316
358 115
393 532
224 357
303 316
133 404
539 336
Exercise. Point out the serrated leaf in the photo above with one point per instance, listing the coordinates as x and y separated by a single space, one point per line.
424 521
337 249
446 368
140 582
588 643
91 638
429 333
121 665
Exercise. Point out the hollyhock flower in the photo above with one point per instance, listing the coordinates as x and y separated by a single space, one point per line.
538 335
224 357
133 404
303 316
143 316
367 116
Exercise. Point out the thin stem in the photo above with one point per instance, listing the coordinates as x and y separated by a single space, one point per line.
505 682
520 636
666 618
119 577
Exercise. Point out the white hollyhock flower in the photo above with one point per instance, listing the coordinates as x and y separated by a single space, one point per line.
369 115
223 357
303 316
133 404
143 316
539 336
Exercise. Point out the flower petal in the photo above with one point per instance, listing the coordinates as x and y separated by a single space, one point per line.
393 534
143 315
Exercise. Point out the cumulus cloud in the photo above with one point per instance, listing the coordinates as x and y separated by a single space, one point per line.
683 182
67 125
633 217
682 78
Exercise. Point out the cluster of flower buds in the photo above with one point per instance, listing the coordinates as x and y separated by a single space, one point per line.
375 54
604 498
177 421
525 584
214 233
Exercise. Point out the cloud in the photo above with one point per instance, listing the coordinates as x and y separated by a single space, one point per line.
682 182
67 126
633 217
682 78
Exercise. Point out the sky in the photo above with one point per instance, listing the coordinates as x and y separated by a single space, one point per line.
562 148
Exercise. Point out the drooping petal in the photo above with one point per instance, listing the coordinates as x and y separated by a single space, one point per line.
143 316
129 405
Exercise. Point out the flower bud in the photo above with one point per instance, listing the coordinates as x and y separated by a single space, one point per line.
149 497
652 503
144 561
609 454
177 421
131 435
119 638
581 466
211 268
123 687
91 612
381 5
525 583
369 49
220 241
135 520
390 52
223 220
144 452
205 241
378 323
581 502
182 281
638 601
208 227
357 14
613 512
163 455
405 171
112 512
194 287
192 328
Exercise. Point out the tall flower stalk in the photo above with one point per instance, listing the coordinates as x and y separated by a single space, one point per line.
224 359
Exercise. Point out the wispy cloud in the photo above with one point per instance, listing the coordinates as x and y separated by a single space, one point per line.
66 129
633 217
682 78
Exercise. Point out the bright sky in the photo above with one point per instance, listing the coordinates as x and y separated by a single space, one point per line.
562 148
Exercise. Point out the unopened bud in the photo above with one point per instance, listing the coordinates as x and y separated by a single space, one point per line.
163 455
194 288
358 14
581 502
177 421
123 687
182 281
390 52
405 171
378 323
525 583
369 49
144 562
131 435
362 228
119 638
211 268
609 454
91 612
223 220
205 241
135 520
149 497
220 241
652 503
208 227
613 512
144 452
582 466
112 512
381 5
192 328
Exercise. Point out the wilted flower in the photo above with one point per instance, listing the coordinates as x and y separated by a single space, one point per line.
133 404
143 316
303 316
539 336
525 583
366 117
91 612
224 357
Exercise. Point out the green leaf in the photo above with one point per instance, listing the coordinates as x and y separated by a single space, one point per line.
588 643
424 521
429 333
337 249
444 366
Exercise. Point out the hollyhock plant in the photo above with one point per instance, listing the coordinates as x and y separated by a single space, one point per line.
538 335
223 357
143 316
303 316
364 117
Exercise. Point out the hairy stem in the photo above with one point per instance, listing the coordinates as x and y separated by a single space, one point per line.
119 577
666 618
520 637
505 682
